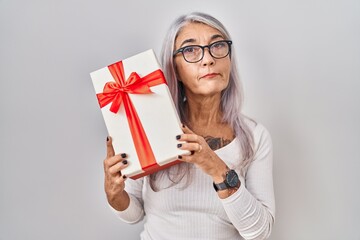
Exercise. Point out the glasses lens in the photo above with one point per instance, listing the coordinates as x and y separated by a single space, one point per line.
192 53
219 49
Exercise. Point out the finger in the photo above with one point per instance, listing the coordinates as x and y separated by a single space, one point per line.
186 158
120 180
200 148
116 168
190 138
109 162
190 146
109 147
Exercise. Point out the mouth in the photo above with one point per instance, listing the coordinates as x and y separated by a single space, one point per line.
210 75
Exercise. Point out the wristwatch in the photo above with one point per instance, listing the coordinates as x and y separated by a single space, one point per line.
231 181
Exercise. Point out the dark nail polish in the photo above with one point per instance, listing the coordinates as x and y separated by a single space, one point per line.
179 157
124 176
123 155
178 137
107 139
179 145
124 162
192 152
183 126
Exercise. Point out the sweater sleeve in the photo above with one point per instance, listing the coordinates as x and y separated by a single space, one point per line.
135 212
251 208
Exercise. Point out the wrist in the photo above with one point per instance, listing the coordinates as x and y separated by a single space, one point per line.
228 192
120 201
220 174
231 181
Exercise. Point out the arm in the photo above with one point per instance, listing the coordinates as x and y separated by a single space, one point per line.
125 201
252 207
135 210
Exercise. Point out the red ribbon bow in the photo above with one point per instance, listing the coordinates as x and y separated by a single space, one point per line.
118 92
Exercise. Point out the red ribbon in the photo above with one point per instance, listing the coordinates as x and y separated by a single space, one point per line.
117 93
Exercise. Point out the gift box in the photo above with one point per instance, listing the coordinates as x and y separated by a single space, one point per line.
139 113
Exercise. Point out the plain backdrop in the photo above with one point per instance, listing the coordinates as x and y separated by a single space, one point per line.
300 65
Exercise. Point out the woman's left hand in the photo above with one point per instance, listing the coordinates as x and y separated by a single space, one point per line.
201 154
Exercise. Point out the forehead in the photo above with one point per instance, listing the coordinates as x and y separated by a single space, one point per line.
197 32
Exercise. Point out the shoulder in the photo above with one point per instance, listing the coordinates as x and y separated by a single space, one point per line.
261 136
256 128
261 133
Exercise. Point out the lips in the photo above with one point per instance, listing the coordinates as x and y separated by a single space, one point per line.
210 75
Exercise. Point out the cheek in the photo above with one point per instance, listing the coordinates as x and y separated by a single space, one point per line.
227 71
228 74
185 72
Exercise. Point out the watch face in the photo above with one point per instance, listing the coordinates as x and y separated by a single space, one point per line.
232 178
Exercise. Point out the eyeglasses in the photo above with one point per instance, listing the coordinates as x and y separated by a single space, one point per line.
195 53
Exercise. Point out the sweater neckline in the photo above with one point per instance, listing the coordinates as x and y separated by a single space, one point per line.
226 146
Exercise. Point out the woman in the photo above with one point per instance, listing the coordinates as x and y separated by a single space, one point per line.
224 189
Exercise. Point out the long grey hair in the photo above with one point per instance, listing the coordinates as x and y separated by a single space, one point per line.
232 96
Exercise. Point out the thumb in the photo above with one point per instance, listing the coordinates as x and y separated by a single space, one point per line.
186 129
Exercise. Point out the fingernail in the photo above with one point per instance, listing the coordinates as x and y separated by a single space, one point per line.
183 125
124 176
124 162
192 152
179 145
123 155
178 137
179 157
107 139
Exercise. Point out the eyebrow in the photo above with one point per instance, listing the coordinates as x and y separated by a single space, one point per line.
192 40
216 36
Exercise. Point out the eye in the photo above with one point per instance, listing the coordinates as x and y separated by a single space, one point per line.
219 45
190 49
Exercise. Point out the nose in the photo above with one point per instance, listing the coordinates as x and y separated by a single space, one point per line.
207 59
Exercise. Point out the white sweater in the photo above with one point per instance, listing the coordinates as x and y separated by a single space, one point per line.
196 212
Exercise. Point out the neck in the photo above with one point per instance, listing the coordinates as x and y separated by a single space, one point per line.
204 112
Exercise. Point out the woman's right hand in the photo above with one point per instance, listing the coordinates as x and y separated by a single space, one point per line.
114 180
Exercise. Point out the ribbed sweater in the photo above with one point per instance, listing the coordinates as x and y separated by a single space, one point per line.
195 211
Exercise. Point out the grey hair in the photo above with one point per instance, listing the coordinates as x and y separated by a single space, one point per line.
232 96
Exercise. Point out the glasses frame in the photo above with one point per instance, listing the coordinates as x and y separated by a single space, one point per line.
181 50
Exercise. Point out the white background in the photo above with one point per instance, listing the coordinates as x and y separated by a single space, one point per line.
300 64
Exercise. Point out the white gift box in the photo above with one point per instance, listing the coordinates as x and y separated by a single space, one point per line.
156 112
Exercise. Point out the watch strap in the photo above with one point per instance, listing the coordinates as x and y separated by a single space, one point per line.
220 186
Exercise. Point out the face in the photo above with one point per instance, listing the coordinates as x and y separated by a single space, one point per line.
209 76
